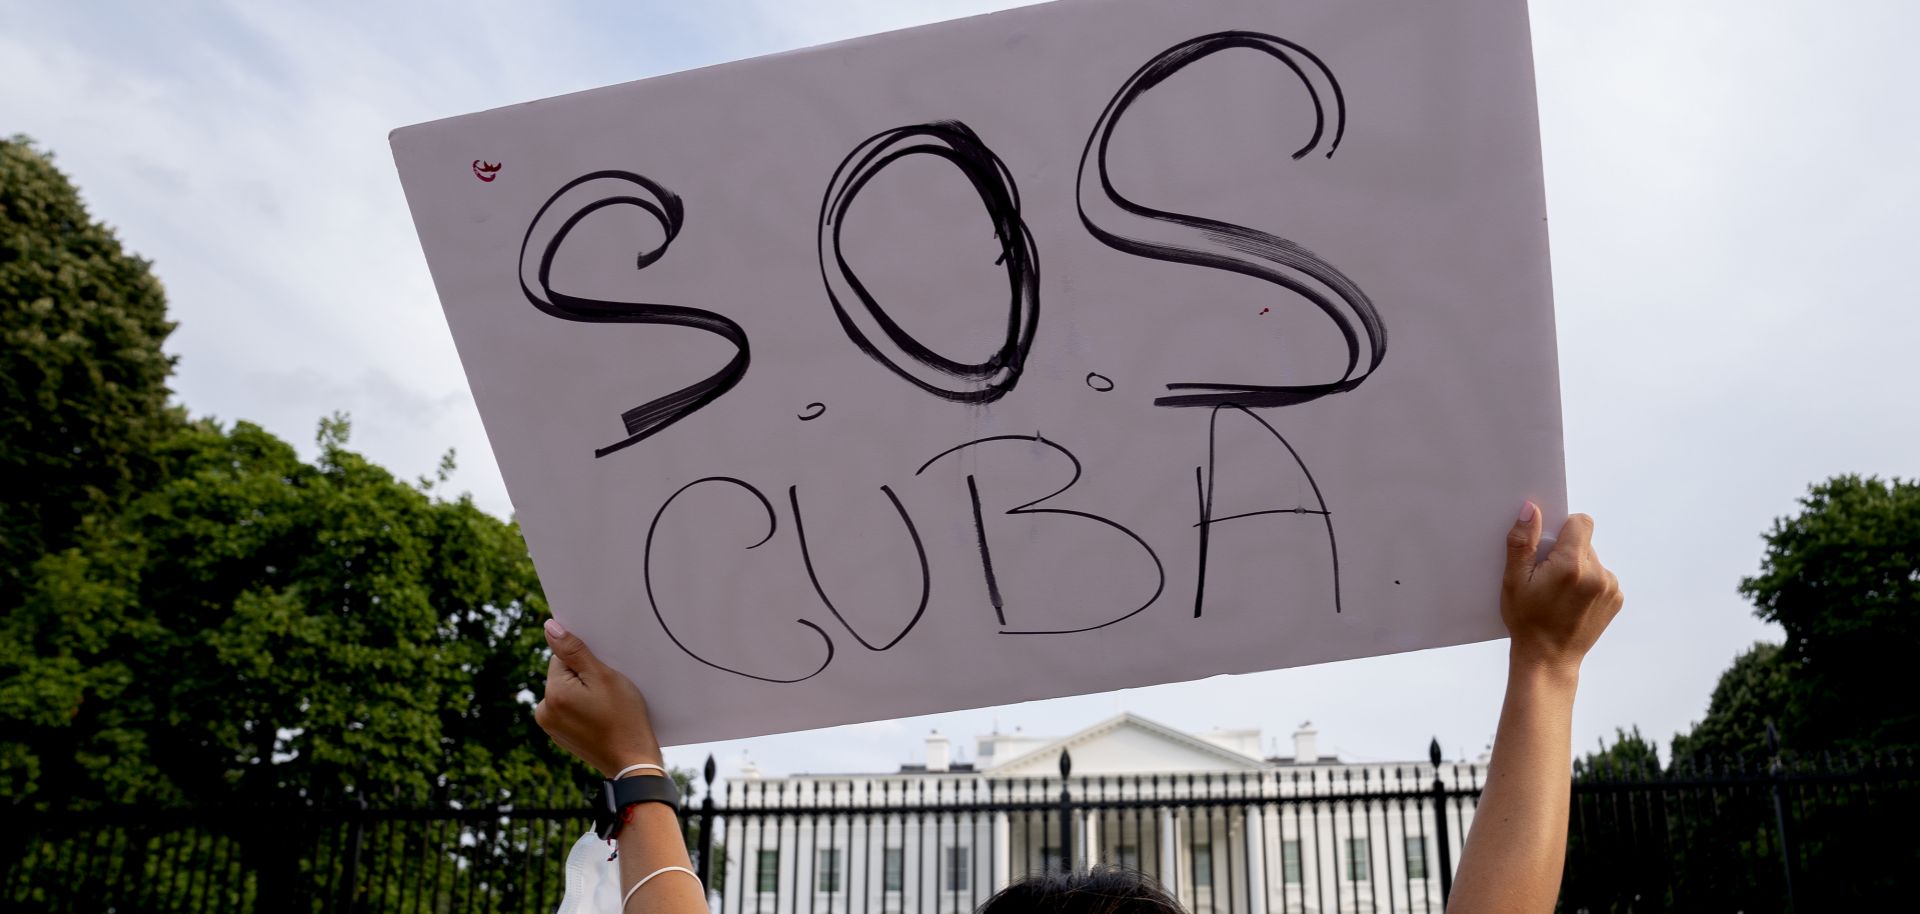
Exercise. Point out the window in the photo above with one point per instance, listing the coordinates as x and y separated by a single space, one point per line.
1357 860
826 870
957 869
1416 858
1203 866
895 865
768 872
1290 862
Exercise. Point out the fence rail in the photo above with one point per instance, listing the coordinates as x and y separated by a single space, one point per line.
1782 836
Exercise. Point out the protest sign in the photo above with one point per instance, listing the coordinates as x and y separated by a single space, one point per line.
1077 347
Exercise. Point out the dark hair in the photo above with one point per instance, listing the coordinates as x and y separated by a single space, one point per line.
1099 890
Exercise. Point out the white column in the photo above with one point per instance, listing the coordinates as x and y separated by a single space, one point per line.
732 847
1169 853
1256 849
1091 835
1002 852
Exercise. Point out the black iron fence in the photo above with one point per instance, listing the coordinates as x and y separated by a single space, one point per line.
1781 836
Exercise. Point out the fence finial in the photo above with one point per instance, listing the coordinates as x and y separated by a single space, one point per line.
710 769
1433 751
1066 763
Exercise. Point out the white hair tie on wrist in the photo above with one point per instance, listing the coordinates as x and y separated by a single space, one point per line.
640 767
649 878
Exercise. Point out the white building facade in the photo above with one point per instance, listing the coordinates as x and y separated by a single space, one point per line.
1224 827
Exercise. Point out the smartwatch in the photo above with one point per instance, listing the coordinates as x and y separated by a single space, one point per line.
613 798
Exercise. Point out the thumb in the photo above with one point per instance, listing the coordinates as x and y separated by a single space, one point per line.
1523 545
568 647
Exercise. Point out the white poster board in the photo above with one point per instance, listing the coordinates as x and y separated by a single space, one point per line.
1082 346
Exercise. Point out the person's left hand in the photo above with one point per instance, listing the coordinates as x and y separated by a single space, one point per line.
592 710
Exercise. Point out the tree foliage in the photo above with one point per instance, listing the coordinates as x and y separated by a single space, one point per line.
191 613
1755 690
83 379
1631 756
256 627
1843 578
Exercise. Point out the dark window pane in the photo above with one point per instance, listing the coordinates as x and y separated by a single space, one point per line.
957 860
827 870
896 868
769 871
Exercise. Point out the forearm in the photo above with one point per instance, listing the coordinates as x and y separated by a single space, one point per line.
649 841
1517 845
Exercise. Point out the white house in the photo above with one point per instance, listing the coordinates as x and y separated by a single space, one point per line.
1225 827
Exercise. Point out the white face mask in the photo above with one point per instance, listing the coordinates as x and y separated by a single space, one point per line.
593 880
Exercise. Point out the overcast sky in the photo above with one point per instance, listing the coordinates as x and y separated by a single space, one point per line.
1734 190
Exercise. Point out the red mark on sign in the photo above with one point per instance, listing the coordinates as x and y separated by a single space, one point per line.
486 171
1265 310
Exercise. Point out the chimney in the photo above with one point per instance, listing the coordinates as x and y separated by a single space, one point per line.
1305 752
939 753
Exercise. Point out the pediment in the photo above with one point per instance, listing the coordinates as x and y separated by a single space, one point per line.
1127 744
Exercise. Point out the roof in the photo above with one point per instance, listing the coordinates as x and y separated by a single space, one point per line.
1129 719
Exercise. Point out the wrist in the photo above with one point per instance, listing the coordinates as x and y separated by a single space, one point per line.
614 762
1538 667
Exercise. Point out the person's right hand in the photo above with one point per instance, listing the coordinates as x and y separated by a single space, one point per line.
1556 608
591 709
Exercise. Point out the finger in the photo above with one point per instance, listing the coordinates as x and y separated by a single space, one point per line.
1523 543
568 648
1576 538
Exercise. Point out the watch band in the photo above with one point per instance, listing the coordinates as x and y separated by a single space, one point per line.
609 810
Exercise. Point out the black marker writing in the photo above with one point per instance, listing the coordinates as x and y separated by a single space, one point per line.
814 411
649 418
986 551
1176 238
1099 382
981 382
806 557
1030 508
1203 484
646 570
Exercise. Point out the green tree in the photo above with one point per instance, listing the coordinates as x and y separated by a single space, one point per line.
83 380
1631 756
1754 691
256 628
191 614
1843 578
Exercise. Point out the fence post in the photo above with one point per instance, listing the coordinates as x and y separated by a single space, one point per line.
1066 813
1775 770
356 836
703 850
1440 822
